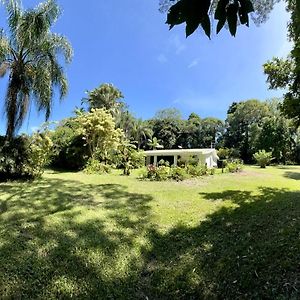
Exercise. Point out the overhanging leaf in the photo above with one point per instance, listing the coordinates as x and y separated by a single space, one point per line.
205 23
221 24
191 26
232 11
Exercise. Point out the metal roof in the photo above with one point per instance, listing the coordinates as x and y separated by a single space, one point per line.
171 152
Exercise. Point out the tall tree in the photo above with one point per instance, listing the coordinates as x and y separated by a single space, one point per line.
30 53
285 73
167 125
141 132
242 126
106 96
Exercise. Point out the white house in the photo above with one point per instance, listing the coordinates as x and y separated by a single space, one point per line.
206 156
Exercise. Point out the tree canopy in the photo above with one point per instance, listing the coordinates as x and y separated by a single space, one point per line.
227 13
30 53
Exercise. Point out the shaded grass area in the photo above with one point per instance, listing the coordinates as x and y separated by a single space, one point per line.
109 237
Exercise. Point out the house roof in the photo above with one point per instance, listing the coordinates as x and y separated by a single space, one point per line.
172 152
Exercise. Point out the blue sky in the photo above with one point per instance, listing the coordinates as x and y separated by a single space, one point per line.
127 43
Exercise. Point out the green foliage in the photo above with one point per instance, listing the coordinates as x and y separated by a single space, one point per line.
29 53
163 162
154 143
128 158
178 174
39 154
154 173
196 170
69 151
285 73
105 96
234 165
263 158
224 153
141 132
243 124
94 166
24 157
97 129
162 173
200 133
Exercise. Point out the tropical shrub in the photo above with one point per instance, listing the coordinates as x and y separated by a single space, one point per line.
68 150
94 166
97 128
39 153
126 157
154 173
196 171
178 174
263 158
234 165
163 162
24 157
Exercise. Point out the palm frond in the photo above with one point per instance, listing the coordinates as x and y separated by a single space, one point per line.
4 68
4 47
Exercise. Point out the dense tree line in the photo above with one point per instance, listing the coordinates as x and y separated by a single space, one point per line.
250 126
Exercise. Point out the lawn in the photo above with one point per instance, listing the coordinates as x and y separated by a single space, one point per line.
228 236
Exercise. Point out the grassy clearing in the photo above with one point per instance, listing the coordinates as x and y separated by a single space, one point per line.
230 236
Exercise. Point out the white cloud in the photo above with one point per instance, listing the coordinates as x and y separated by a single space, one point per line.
162 58
194 63
175 42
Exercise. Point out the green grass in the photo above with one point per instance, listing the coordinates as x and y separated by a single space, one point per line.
229 236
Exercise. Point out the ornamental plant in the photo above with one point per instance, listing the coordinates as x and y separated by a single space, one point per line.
263 158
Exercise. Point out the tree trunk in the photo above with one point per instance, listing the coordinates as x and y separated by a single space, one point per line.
11 111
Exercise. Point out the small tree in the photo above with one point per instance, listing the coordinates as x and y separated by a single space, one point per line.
263 158
129 158
98 130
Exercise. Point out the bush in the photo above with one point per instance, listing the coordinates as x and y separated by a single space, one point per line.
39 153
154 173
24 157
163 162
94 166
162 173
196 171
126 157
234 165
69 151
263 158
178 174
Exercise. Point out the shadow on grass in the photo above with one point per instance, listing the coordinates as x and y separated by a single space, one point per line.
53 243
63 239
248 251
292 175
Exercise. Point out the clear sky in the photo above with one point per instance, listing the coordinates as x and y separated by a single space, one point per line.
127 43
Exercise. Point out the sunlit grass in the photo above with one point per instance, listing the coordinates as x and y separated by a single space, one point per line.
226 236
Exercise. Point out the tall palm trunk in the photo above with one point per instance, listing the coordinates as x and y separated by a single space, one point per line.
11 111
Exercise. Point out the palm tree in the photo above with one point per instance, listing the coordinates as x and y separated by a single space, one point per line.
105 96
154 144
141 131
30 53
